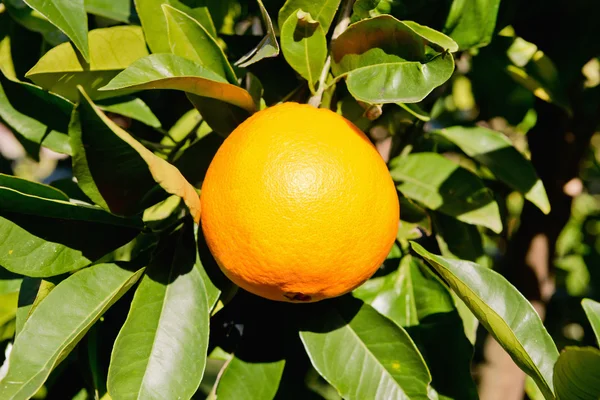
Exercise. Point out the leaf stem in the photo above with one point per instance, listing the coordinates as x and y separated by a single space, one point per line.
342 23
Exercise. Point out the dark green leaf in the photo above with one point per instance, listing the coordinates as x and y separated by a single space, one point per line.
457 239
267 47
166 332
444 186
189 39
472 23
168 71
68 16
322 11
385 60
59 323
60 70
155 25
132 107
9 281
222 117
496 152
406 295
118 10
35 21
304 45
592 310
46 236
115 170
361 353
37 117
194 162
576 374
504 312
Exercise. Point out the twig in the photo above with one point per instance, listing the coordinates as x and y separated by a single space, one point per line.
342 23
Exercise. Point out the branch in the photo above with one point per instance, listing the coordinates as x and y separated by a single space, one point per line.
342 23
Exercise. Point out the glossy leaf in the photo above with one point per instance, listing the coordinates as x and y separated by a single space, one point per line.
250 380
37 117
118 10
444 186
457 239
304 45
576 374
115 170
504 312
267 47
322 11
155 25
168 71
68 16
472 23
132 107
160 351
406 295
385 60
189 39
60 70
59 323
592 311
363 354
433 37
45 236
496 152
34 21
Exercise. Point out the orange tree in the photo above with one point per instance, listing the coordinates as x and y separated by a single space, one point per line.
482 112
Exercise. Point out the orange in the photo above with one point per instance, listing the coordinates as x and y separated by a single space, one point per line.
298 205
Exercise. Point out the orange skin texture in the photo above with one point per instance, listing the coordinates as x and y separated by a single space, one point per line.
298 205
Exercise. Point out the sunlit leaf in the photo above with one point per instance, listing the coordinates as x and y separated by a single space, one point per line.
132 107
59 322
444 186
361 353
116 171
322 11
118 10
385 60
168 71
504 312
267 47
304 45
592 311
34 21
496 152
576 374
166 331
69 16
472 23
113 49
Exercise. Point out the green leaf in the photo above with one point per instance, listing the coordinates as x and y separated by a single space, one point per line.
155 25
504 312
304 45
322 11
113 49
118 10
267 47
189 39
68 16
433 37
168 71
34 21
576 374
9 281
102 152
38 118
406 295
250 380
194 161
385 60
132 107
496 152
222 117
361 353
45 236
444 186
33 291
457 239
592 311
59 323
472 23
166 331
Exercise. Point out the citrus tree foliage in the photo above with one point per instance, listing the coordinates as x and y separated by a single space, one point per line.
107 287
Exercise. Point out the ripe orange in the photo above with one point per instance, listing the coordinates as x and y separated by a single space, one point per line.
297 205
